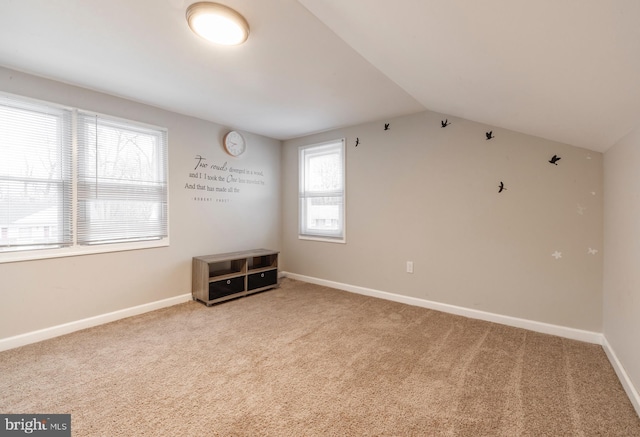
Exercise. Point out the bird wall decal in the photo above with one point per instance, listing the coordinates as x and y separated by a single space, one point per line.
554 159
501 187
489 135
445 123
386 126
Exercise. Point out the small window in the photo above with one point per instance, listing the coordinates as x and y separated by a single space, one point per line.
322 191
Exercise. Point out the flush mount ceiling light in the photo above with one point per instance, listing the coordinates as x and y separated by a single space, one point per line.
217 23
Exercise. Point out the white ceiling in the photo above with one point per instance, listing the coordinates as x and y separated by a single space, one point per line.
564 70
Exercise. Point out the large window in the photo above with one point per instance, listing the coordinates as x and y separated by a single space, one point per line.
35 176
322 191
122 188
70 180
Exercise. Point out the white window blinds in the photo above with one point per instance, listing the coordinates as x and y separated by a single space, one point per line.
122 181
35 175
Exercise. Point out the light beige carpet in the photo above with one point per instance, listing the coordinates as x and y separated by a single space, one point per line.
305 360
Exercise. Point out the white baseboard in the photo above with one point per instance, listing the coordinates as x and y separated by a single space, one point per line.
531 325
561 331
66 328
546 328
628 386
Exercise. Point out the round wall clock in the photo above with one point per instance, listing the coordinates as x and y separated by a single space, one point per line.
234 143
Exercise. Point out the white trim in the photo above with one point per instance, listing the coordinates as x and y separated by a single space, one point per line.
626 382
66 328
30 255
545 328
325 239
531 325
9 256
562 331
341 236
20 97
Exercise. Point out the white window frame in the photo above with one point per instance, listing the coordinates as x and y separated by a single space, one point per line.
304 152
75 249
93 233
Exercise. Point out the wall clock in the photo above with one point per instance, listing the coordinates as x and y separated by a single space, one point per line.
234 143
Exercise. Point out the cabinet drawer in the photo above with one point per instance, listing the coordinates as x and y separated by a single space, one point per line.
226 287
262 279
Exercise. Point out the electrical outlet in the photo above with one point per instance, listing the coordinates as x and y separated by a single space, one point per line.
409 266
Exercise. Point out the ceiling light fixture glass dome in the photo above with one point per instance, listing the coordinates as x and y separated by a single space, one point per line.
217 23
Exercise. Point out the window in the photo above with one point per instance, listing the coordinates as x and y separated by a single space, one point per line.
322 191
122 188
35 175
70 180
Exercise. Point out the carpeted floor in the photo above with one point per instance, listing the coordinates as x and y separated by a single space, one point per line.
305 360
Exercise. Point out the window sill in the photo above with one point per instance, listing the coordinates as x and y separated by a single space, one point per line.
31 255
325 239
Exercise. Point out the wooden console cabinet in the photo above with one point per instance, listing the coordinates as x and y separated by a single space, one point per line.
216 278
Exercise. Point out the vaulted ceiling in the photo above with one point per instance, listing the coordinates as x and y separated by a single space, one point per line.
563 70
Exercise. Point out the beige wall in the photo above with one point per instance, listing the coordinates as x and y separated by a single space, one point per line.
422 193
40 294
622 249
417 192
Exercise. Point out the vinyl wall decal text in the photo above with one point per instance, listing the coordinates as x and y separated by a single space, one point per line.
220 182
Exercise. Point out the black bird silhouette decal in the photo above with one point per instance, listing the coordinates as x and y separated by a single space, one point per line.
501 187
490 135
554 159
357 141
445 123
386 126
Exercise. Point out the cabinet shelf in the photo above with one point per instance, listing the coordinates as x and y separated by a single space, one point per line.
263 262
223 276
265 269
216 278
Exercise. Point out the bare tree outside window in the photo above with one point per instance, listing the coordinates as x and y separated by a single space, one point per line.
116 194
122 188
